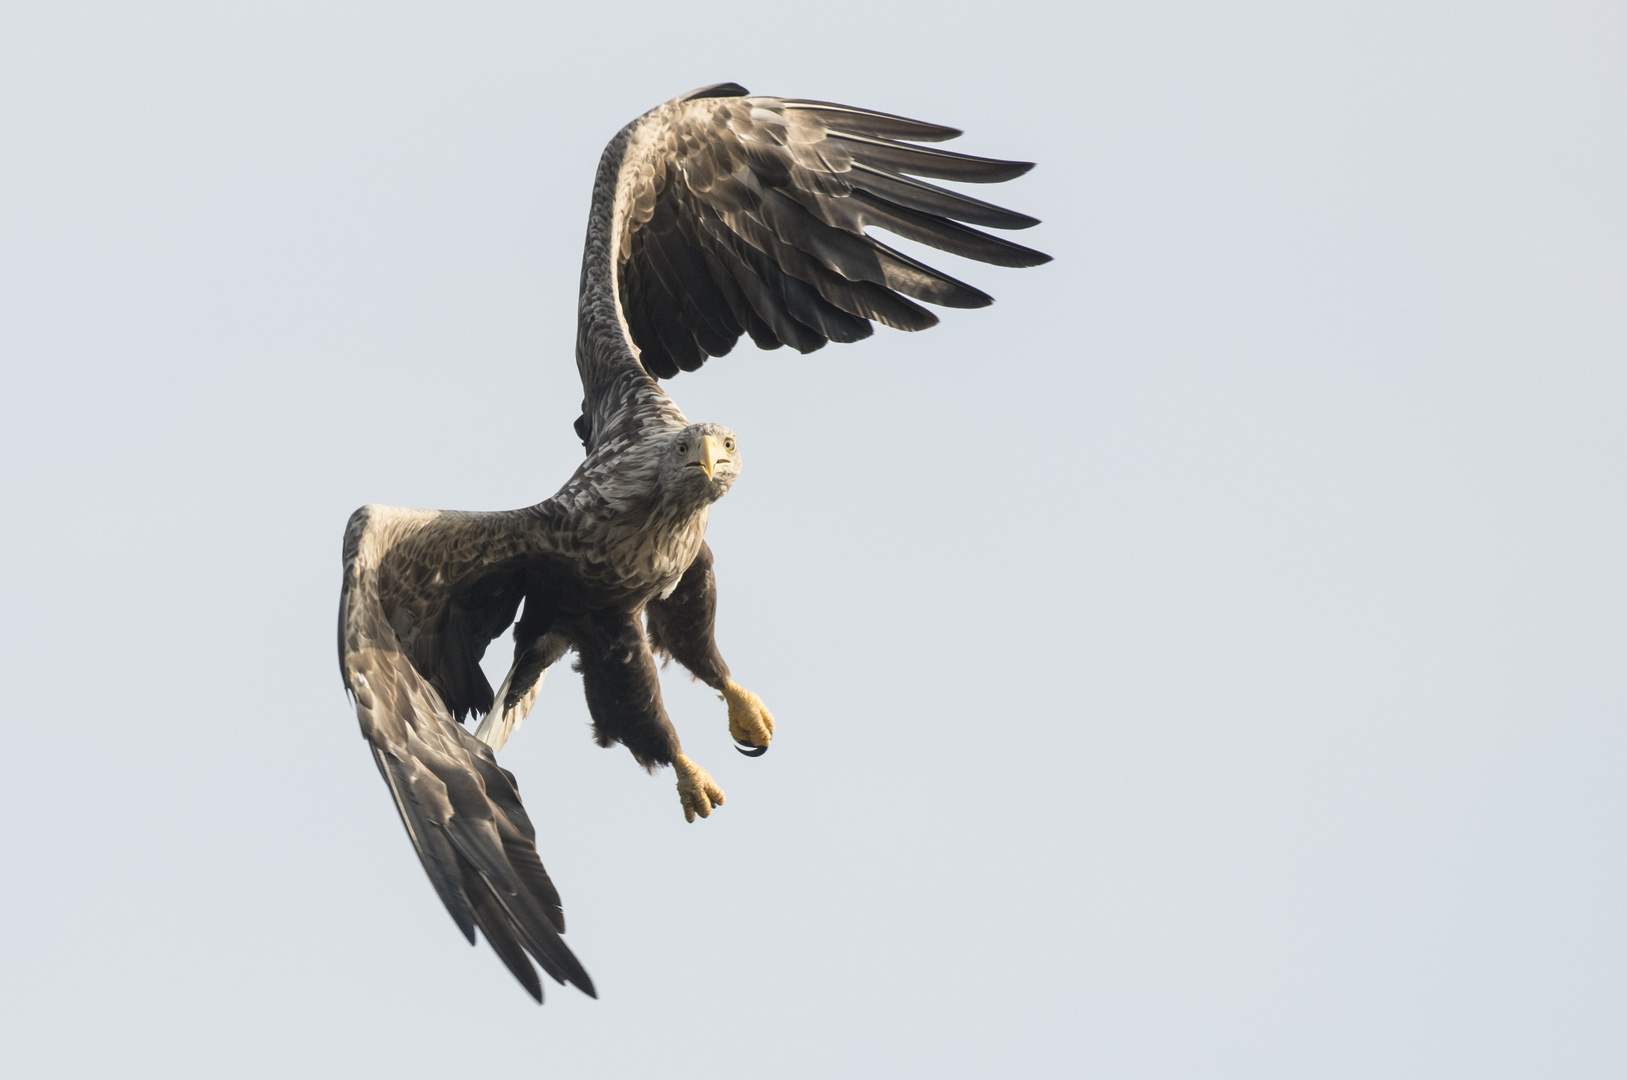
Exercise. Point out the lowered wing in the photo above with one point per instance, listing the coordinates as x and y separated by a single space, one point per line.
407 576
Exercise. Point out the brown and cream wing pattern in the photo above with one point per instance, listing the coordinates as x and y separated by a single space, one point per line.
462 811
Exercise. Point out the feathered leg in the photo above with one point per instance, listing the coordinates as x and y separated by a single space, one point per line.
682 627
624 697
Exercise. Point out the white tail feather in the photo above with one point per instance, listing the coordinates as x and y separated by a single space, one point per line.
498 724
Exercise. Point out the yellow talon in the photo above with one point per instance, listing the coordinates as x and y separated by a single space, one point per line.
697 791
750 722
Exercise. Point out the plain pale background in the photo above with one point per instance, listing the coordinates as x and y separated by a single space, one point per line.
1206 662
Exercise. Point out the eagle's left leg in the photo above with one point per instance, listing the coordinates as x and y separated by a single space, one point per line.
681 626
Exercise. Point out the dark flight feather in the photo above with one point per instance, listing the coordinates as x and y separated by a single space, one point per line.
869 122
500 935
901 190
930 161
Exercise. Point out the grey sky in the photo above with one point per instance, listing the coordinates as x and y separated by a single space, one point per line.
1206 662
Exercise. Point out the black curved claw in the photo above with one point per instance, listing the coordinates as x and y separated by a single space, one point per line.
755 751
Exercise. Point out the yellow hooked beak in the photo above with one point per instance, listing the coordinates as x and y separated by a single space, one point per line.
709 451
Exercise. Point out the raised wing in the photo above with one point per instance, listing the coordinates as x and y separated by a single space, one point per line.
719 214
405 572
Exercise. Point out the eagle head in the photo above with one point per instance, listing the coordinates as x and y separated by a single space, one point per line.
700 463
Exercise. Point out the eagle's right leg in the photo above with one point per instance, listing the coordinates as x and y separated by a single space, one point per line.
681 626
624 697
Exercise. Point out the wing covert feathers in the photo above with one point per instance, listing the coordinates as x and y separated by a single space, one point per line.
720 214
461 810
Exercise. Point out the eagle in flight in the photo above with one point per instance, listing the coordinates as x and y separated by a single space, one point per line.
716 214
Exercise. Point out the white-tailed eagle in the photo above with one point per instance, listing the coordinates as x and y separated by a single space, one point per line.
714 215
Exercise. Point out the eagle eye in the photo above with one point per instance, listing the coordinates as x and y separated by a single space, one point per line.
728 444
683 448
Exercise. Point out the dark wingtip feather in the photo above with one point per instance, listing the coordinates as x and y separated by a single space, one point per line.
722 89
929 161
927 323
870 122
501 937
916 195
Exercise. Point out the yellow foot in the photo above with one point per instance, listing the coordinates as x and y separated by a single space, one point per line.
749 721
696 789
